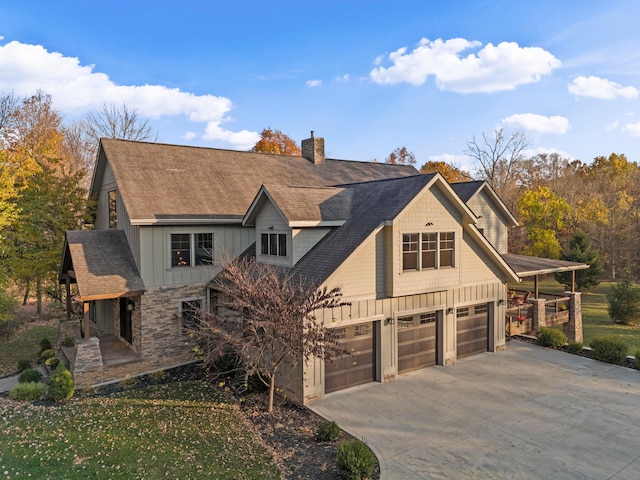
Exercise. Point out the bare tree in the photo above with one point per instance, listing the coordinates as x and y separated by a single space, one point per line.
500 159
122 122
9 103
267 318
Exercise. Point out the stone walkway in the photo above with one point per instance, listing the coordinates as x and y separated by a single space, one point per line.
7 382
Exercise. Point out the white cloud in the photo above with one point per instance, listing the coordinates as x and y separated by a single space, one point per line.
612 126
596 87
539 123
632 129
189 135
313 83
490 69
78 88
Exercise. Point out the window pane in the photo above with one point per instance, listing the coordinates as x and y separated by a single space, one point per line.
273 244
410 251
462 312
405 322
427 318
282 244
190 313
204 248
264 241
113 216
361 330
446 249
429 244
180 250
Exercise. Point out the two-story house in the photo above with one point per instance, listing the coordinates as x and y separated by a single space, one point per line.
421 262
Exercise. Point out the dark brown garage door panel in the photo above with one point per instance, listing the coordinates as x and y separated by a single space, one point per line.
357 368
417 342
473 330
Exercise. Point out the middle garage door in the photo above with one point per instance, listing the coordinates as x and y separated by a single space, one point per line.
417 341
357 368
473 330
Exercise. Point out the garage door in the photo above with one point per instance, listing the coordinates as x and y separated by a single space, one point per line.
473 330
354 369
417 345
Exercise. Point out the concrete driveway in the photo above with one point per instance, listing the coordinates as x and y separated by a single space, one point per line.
527 413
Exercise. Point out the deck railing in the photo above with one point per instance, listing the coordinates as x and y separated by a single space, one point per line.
521 314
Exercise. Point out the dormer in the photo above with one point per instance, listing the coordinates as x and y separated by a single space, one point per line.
290 221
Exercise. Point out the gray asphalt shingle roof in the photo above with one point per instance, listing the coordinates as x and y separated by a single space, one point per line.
102 262
158 181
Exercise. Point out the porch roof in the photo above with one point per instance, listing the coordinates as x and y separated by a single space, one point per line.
526 266
101 263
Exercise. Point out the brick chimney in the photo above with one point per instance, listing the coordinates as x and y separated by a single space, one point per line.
313 149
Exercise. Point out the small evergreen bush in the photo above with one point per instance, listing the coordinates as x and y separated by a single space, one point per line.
355 460
48 353
327 431
27 392
551 337
45 344
609 349
29 376
23 365
68 342
574 348
61 384
52 362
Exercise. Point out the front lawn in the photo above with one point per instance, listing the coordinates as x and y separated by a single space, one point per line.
176 430
25 344
595 319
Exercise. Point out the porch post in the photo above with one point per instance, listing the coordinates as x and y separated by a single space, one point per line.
573 329
573 280
87 327
539 316
536 293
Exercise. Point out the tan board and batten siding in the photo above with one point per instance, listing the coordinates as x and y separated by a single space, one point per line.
491 220
366 275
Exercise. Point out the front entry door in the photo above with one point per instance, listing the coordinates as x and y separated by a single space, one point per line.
126 312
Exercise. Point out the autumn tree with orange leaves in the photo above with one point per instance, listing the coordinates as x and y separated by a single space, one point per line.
276 142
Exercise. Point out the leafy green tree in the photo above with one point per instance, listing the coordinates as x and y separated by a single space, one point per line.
580 251
624 302
544 214
47 196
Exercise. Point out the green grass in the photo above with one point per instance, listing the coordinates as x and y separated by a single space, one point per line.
180 430
595 319
26 345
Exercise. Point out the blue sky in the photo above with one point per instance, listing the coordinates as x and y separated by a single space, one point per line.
368 76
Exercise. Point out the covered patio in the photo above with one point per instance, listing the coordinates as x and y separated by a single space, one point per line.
109 288
527 311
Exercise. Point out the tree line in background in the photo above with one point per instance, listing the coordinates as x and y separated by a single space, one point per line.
45 168
566 208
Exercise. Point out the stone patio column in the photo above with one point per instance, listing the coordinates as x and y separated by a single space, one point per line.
573 329
539 315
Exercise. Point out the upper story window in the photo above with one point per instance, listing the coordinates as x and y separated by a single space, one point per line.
274 244
424 251
189 250
113 216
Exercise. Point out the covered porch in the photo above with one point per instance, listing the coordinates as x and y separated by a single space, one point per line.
527 311
104 314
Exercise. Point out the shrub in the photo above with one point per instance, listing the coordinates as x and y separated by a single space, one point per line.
157 375
574 347
355 460
29 376
52 362
551 337
61 384
45 345
609 349
26 392
48 353
127 381
68 342
327 431
23 365
624 302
